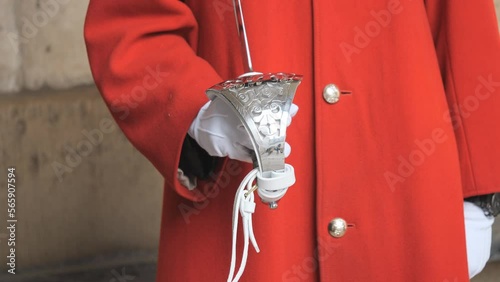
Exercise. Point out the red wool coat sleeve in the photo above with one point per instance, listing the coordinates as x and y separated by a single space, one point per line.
468 43
144 63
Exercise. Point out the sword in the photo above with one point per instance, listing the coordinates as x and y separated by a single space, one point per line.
242 33
262 102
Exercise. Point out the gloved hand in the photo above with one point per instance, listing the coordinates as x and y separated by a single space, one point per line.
478 234
218 130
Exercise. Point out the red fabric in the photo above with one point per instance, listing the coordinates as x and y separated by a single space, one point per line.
388 158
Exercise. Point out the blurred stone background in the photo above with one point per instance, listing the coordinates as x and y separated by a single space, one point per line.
101 209
97 220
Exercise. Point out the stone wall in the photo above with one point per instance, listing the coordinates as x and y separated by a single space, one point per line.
41 44
103 199
82 189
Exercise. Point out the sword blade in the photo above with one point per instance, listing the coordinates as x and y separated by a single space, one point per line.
242 33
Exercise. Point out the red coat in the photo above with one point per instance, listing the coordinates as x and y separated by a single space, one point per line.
388 158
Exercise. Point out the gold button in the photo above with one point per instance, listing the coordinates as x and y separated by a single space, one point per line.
331 94
337 227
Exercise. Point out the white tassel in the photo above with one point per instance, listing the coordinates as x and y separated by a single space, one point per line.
245 204
272 187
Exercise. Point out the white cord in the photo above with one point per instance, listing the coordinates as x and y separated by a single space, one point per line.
273 187
246 206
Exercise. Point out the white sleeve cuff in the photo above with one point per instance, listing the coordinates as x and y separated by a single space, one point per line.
190 184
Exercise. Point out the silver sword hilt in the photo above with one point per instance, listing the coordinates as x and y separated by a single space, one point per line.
262 102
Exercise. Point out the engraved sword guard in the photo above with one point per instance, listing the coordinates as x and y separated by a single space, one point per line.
262 102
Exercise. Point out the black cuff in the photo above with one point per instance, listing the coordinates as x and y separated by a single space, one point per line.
196 162
490 203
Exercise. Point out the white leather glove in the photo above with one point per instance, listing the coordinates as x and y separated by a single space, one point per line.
478 234
218 130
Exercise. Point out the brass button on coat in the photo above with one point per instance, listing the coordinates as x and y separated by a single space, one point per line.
337 227
331 94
